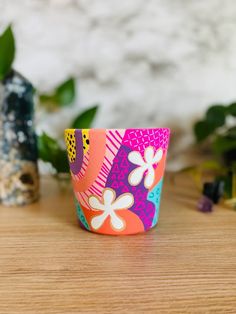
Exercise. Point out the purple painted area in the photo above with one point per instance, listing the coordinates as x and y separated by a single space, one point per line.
118 180
140 139
76 165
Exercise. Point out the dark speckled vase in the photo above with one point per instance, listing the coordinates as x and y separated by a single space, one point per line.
19 180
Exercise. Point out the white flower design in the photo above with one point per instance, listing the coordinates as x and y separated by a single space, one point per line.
109 204
145 164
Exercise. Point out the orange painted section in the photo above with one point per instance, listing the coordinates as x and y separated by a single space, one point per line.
97 150
133 224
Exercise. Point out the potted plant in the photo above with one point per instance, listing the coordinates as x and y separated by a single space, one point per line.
215 135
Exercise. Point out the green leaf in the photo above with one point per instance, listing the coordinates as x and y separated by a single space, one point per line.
232 109
227 179
234 185
223 144
49 102
211 165
46 98
50 151
232 133
187 169
202 130
85 119
61 162
215 115
7 52
208 165
46 145
65 93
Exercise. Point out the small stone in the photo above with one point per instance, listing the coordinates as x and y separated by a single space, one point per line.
205 204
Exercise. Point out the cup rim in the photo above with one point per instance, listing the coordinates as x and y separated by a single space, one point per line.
121 129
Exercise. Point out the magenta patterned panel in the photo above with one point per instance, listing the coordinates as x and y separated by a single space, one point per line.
139 139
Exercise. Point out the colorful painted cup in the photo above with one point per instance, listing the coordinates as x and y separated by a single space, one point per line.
117 177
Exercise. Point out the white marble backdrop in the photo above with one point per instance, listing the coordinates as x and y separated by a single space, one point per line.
147 63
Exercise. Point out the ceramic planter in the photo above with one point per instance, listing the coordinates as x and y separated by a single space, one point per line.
117 176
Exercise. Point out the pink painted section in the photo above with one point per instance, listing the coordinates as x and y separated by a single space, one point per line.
140 139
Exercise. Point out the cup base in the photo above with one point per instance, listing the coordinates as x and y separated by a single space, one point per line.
115 233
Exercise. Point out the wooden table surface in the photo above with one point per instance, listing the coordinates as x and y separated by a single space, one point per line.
49 265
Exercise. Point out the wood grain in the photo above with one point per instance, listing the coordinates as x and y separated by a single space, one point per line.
49 265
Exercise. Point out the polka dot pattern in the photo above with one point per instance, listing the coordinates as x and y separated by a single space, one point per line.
85 136
70 143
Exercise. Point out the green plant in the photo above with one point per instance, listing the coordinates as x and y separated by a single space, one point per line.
215 129
220 136
50 151
7 52
49 148
85 119
63 95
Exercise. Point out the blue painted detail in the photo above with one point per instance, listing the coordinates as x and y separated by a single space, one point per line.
81 216
154 196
